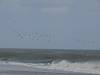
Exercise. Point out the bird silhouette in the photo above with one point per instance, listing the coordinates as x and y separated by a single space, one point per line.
20 35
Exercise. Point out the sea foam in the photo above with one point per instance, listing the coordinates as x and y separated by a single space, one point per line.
83 67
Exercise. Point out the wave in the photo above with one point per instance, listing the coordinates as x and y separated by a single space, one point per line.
83 67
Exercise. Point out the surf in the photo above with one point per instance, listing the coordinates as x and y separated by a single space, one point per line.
82 67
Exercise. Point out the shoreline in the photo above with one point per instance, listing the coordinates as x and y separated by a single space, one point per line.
8 69
41 73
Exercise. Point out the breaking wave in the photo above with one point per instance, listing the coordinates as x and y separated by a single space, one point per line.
83 67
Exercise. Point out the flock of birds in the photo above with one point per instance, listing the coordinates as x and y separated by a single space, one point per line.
36 36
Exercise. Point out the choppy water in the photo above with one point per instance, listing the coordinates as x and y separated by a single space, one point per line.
87 61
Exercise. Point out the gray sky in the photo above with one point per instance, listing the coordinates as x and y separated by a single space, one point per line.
60 24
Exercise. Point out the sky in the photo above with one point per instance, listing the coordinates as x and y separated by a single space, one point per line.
50 24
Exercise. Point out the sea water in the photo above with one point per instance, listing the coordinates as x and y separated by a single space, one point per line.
84 61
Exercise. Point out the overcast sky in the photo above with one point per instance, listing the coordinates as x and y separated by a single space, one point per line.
56 24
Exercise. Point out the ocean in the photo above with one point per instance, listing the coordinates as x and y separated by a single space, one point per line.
84 61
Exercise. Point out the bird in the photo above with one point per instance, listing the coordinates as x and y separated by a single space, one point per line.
20 35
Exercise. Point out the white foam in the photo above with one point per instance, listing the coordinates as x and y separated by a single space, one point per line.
86 67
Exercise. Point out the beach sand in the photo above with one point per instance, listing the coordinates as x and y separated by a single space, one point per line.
8 69
41 73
